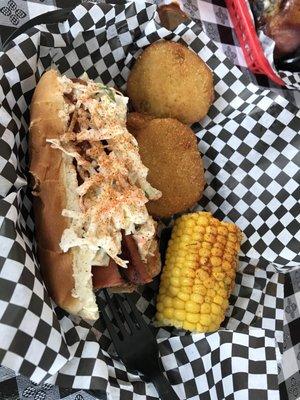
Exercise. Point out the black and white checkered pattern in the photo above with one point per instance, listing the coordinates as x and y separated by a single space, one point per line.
218 26
291 79
290 372
247 143
257 299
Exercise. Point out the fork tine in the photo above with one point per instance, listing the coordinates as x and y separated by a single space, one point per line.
129 321
136 313
113 334
116 315
100 302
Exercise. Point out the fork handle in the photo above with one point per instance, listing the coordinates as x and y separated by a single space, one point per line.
163 387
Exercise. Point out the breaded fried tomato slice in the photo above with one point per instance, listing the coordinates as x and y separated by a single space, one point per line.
170 80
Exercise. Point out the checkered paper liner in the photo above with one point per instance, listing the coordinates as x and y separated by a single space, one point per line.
249 144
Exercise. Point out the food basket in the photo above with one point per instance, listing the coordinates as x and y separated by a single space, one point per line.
250 44
249 142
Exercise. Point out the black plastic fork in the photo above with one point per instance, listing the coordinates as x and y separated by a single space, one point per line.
136 346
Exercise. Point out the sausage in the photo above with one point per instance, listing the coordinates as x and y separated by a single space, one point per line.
107 277
78 80
136 271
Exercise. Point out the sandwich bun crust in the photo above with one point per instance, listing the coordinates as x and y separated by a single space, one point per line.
49 192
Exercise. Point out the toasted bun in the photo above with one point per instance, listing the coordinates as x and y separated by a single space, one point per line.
54 184
49 170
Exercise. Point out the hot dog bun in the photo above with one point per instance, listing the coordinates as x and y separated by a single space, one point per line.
54 189
48 169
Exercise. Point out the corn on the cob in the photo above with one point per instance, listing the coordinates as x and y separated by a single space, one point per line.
199 273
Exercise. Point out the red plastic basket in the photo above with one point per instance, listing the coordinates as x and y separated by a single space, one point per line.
250 44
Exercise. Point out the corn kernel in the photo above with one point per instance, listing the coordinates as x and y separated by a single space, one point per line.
189 223
231 228
192 307
208 299
201 230
200 289
181 254
207 245
174 281
187 282
169 313
202 275
189 326
206 268
179 314
200 327
176 272
211 293
167 300
189 231
205 319
208 237
184 242
212 230
162 289
232 237
197 298
197 236
204 252
218 300
215 261
215 251
205 308
233 246
160 306
183 296
203 260
231 275
182 247
228 257
180 261
222 230
186 289
216 309
219 276
226 265
229 251
228 280
159 316
189 273
178 304
225 304
219 245
209 284
214 221
202 221
222 293
213 327
221 240
194 318
221 285
173 290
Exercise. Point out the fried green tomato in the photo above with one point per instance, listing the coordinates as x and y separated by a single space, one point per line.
169 149
137 121
169 80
